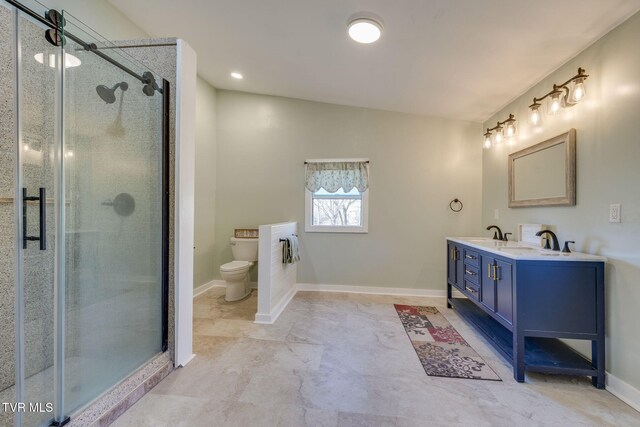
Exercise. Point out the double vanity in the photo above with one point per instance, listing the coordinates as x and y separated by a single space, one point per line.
524 300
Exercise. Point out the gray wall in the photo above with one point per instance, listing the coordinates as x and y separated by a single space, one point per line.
608 153
418 164
205 203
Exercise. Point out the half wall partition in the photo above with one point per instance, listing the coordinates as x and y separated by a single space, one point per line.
83 215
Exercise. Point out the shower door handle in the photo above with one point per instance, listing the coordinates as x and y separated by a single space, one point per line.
42 199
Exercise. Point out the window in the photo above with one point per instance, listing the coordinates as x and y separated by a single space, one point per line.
329 208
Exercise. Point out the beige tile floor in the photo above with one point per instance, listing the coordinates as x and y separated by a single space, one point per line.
344 360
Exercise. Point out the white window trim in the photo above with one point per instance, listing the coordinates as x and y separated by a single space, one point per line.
308 210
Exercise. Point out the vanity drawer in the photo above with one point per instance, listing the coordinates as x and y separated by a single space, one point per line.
472 274
471 258
472 290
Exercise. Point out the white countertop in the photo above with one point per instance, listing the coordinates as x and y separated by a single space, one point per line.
522 251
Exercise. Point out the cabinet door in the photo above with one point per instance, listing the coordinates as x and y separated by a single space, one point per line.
487 284
455 267
504 290
459 267
451 263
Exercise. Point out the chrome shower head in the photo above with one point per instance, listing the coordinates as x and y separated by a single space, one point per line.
109 95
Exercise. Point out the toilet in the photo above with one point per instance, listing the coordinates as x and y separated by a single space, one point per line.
236 272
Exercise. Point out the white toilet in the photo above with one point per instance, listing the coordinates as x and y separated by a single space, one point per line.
236 273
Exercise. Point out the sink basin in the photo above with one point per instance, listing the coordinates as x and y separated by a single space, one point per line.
517 249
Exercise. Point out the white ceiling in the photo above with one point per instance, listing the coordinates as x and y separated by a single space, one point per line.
460 59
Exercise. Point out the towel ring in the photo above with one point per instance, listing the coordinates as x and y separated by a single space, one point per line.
456 202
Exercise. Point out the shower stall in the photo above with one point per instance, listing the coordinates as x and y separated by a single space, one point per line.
83 215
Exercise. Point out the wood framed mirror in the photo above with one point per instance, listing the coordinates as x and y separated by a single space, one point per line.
544 174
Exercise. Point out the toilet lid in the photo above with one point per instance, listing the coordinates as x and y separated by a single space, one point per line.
234 265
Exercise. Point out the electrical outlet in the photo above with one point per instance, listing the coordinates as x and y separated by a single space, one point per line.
614 213
496 214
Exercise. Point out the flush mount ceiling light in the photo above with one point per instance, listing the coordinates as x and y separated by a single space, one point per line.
70 61
236 75
364 28
504 130
561 96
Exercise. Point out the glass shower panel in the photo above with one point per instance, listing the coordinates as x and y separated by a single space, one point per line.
38 86
113 218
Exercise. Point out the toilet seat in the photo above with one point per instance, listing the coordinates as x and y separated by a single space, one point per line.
235 266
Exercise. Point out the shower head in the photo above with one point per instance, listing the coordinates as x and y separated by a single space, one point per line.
108 95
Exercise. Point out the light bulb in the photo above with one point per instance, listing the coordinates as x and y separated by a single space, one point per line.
510 127
535 116
510 131
499 136
578 93
26 147
487 140
554 103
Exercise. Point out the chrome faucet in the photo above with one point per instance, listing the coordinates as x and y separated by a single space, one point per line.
497 235
554 238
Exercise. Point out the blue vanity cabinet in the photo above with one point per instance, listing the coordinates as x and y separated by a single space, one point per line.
526 305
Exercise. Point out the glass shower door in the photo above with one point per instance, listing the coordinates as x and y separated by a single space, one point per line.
38 98
83 210
113 218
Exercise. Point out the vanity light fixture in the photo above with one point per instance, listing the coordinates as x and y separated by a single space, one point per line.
505 129
364 28
561 96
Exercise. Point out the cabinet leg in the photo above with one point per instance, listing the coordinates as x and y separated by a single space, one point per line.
518 357
597 362
449 294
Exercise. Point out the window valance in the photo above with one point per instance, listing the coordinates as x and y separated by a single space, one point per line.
333 175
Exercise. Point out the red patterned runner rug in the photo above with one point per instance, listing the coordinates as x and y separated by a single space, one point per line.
440 348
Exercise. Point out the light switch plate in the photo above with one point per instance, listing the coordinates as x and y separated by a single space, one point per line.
614 213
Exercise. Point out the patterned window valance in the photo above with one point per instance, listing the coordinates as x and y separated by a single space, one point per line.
333 175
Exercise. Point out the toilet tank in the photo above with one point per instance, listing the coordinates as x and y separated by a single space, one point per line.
244 249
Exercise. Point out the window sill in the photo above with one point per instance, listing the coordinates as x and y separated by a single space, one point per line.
333 229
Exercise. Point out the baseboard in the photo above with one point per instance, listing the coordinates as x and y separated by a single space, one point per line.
216 283
373 290
623 391
204 288
269 318
189 359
